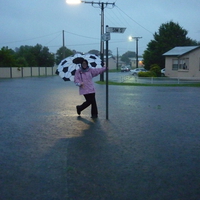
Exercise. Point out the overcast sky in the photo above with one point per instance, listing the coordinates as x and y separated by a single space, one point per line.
31 22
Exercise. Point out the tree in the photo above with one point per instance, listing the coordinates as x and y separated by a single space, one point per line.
7 58
126 56
169 36
59 54
96 52
43 56
26 53
47 58
21 62
35 56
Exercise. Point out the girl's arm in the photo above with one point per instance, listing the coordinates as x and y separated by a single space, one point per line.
97 71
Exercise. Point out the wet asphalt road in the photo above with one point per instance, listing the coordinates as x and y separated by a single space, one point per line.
148 149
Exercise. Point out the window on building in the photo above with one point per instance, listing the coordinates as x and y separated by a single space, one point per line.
183 64
175 64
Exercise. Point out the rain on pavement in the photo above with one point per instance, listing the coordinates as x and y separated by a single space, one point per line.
147 149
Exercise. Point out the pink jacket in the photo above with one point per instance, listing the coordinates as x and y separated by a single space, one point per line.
86 79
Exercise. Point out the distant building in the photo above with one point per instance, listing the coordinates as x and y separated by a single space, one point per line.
133 62
183 62
112 62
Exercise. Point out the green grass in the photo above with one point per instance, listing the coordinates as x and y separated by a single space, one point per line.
145 84
114 70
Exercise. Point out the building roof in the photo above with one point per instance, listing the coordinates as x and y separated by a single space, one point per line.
179 51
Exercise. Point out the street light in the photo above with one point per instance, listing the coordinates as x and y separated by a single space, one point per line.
102 6
136 38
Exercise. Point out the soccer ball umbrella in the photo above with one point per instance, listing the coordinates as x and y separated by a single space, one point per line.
68 66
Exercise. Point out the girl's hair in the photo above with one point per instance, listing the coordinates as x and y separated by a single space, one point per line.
84 61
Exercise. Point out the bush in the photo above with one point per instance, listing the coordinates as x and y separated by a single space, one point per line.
147 74
156 69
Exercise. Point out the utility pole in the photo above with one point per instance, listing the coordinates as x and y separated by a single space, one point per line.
136 38
117 59
102 5
63 44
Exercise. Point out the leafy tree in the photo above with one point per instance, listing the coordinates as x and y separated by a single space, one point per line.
169 35
45 58
126 56
96 52
22 51
7 58
42 56
35 56
25 52
60 56
21 62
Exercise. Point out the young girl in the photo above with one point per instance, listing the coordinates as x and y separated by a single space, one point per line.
83 79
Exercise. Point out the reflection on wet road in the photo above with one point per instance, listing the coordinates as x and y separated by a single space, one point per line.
148 149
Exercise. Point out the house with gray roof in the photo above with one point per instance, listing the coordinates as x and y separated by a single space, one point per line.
183 62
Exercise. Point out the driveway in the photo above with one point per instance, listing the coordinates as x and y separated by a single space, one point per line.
148 149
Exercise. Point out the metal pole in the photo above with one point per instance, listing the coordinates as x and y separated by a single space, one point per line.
101 41
117 59
136 38
136 52
106 76
101 4
22 72
10 72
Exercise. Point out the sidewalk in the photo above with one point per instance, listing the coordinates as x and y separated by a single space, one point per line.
148 149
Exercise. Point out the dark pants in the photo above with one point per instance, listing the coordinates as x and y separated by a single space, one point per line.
90 100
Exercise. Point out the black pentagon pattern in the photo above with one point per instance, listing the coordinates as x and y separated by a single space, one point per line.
93 57
66 79
57 72
73 72
65 69
65 61
93 64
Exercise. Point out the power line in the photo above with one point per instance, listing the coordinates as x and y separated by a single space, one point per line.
58 34
134 20
81 35
28 39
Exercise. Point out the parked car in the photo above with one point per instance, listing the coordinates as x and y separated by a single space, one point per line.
137 70
125 69
163 72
